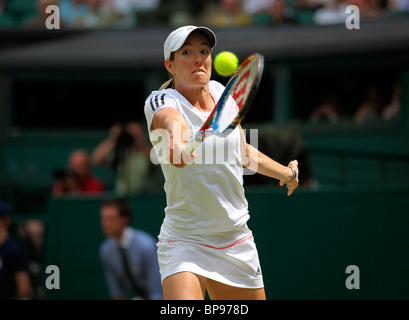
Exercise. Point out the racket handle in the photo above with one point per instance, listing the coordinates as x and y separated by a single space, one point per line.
191 145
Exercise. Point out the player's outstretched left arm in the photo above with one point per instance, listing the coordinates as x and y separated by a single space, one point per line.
258 162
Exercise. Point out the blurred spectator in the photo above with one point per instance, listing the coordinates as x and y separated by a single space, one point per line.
64 181
392 110
99 15
310 4
15 283
40 20
374 10
332 13
278 13
2 6
17 13
304 10
229 13
32 234
127 152
105 13
371 108
359 3
399 5
283 145
73 12
281 13
314 3
128 255
253 7
327 110
129 12
79 177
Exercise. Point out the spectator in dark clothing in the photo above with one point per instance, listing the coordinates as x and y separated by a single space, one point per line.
15 283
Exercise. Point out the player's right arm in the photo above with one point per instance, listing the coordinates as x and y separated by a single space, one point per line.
177 128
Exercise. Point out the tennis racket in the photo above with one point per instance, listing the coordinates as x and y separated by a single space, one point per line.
226 116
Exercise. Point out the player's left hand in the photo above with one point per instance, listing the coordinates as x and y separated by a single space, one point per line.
293 184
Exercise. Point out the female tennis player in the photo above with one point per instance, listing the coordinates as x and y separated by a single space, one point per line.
204 241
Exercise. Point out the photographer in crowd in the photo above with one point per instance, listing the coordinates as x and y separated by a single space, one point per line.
126 151
78 178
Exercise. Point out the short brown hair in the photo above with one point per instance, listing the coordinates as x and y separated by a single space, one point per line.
122 204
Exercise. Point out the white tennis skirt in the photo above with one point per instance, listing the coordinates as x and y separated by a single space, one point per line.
236 264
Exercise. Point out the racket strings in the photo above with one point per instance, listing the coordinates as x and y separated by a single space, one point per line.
228 114
234 101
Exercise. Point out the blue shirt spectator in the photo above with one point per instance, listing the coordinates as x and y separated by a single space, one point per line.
73 12
128 256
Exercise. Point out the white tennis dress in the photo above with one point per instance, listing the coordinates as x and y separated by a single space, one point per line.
205 226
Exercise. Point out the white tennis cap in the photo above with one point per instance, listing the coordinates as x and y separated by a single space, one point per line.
177 38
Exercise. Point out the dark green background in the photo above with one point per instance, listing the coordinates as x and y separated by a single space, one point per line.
305 242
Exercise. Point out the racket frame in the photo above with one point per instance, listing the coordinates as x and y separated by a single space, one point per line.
210 127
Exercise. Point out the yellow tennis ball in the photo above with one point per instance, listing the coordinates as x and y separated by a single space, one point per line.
225 63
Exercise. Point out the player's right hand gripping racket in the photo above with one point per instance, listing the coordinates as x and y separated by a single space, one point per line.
226 116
